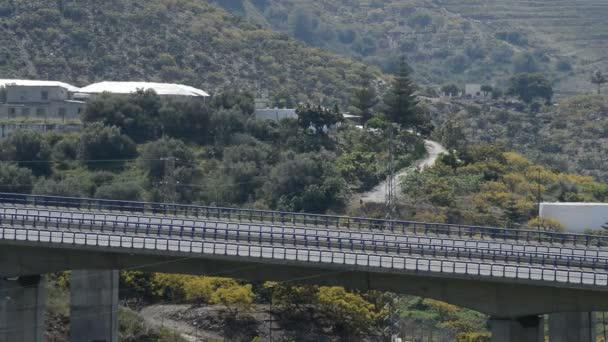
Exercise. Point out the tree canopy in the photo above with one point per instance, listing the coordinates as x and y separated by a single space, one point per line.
531 86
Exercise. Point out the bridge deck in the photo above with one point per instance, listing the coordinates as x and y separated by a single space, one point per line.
306 257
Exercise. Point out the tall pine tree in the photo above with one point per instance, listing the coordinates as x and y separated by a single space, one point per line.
400 102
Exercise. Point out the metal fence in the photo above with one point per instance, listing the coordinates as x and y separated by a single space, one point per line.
301 219
414 331
314 237
349 260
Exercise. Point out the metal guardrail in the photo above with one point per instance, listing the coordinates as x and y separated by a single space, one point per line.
348 260
243 232
301 219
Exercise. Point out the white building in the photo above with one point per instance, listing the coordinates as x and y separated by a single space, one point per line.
38 100
473 90
576 217
162 89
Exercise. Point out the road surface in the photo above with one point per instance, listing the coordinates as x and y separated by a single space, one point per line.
378 193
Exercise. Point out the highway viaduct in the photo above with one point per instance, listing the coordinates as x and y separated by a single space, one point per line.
515 295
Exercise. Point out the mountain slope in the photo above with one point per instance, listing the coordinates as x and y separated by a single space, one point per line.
481 41
189 41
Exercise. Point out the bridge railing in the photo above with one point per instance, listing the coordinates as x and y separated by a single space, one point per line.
249 232
345 260
301 219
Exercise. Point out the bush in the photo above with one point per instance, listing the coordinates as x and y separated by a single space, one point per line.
350 312
102 146
30 149
71 186
15 179
125 190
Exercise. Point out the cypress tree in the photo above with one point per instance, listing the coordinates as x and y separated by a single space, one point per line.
401 101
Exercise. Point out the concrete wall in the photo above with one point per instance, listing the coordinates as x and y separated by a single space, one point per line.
576 217
94 306
22 308
28 94
275 114
8 129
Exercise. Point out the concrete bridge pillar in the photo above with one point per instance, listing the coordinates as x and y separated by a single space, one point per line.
571 327
520 329
22 309
94 306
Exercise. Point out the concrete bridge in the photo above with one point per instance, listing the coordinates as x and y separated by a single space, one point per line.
515 276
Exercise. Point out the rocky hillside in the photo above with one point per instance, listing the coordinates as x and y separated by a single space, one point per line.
189 41
456 40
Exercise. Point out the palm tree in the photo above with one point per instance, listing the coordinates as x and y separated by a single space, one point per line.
599 79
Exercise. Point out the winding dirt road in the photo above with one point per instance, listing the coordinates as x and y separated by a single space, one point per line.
378 193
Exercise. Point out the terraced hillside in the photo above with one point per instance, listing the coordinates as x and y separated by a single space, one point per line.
575 29
483 41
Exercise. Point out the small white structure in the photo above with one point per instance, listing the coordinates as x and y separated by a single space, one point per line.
38 99
473 90
576 217
162 89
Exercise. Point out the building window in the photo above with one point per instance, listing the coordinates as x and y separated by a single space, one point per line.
25 111
40 112
12 111
44 95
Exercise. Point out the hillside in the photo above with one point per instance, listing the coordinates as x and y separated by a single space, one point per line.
457 40
576 30
187 41
569 136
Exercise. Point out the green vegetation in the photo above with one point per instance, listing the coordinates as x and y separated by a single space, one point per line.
184 41
529 87
142 147
569 136
485 185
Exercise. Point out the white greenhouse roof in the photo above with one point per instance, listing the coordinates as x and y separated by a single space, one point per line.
132 87
38 83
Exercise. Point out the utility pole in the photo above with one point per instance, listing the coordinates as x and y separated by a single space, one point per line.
539 197
169 183
390 184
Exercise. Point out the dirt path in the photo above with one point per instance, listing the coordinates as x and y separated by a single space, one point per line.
378 194
158 315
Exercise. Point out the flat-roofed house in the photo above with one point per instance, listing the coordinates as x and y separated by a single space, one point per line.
35 99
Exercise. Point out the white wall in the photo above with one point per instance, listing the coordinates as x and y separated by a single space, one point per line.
576 217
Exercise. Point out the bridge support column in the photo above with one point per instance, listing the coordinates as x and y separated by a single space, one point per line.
521 329
94 306
571 327
22 309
